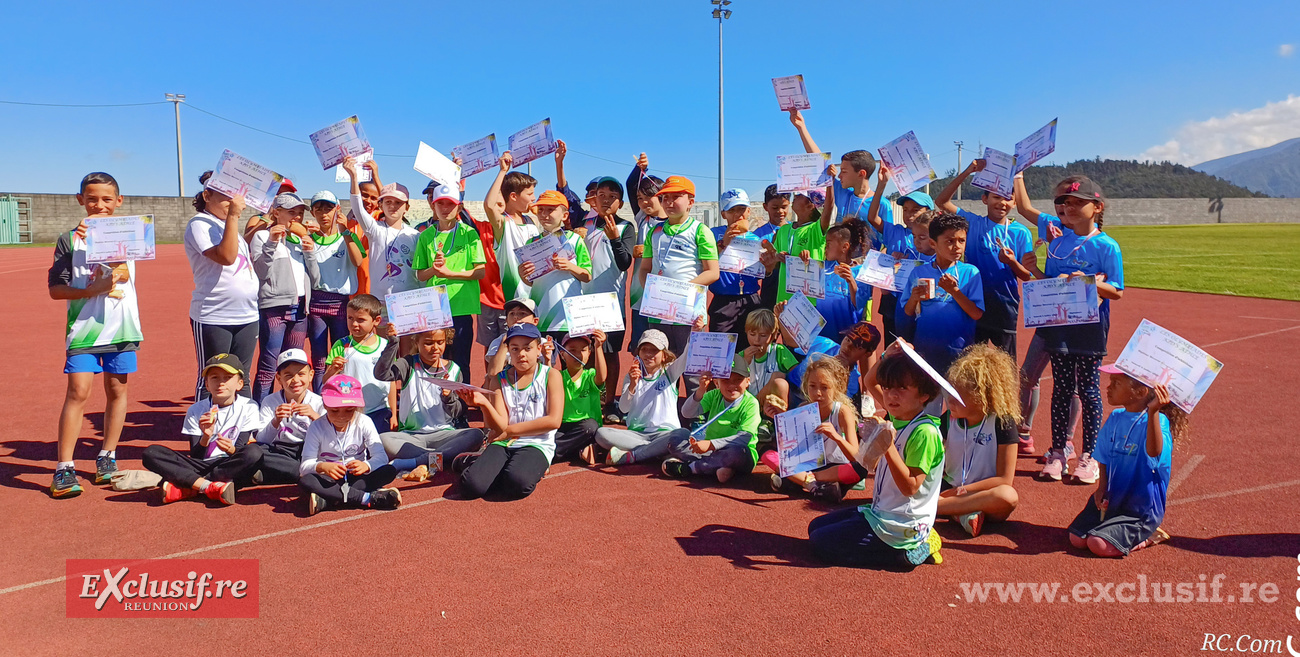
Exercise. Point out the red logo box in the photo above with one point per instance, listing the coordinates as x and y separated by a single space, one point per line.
162 588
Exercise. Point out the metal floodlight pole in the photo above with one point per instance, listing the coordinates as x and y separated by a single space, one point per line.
176 100
721 14
959 144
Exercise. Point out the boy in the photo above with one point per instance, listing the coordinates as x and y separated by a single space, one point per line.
726 444
287 414
847 301
391 243
777 207
517 312
583 388
102 335
575 203
681 248
357 354
734 295
449 253
946 297
551 289
649 216
806 237
220 429
507 202
851 192
996 246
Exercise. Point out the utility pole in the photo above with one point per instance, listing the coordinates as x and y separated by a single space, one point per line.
721 13
959 145
176 100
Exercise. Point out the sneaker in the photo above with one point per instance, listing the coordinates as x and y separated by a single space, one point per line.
105 466
617 456
1026 445
258 478
724 475
612 416
315 504
1055 465
462 462
1069 453
1086 471
173 493
386 499
935 543
675 469
973 523
221 491
828 492
65 483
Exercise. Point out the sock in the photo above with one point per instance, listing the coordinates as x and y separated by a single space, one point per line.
102 452
365 499
66 465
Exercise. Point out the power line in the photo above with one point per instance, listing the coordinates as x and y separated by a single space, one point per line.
14 102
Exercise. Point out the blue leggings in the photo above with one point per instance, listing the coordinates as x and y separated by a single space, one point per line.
327 322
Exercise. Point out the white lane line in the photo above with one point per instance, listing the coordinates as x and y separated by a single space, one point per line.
283 532
14 271
1275 319
1183 472
1242 491
1250 337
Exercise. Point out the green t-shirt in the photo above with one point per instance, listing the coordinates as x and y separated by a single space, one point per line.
581 397
743 417
464 251
924 449
794 240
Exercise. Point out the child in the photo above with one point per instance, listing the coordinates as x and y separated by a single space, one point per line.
356 355
524 410
825 383
729 433
287 413
391 241
1077 350
1135 453
287 268
338 258
806 238
903 241
980 442
549 291
370 204
946 297
495 358
102 335
768 362
847 301
682 249
507 201
583 389
734 295
996 245
777 207
220 429
260 222
343 461
851 192
452 255
650 215
426 438
895 530
649 401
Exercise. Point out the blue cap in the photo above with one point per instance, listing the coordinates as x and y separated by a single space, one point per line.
523 330
920 198
733 198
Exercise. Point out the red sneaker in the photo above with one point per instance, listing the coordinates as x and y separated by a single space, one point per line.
172 493
221 491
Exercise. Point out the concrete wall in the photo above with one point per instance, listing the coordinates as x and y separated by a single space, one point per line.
53 213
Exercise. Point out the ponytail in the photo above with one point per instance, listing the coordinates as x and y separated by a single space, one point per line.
200 204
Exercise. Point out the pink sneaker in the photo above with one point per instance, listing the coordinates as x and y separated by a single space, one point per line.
1069 453
1086 471
1026 445
1054 467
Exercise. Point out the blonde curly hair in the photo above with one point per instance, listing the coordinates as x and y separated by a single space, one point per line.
989 374
839 376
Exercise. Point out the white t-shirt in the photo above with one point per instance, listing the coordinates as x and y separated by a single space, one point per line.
653 407
391 252
223 295
240 416
357 442
293 429
337 273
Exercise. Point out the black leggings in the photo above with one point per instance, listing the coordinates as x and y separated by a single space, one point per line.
280 463
183 470
512 472
213 339
332 489
1076 374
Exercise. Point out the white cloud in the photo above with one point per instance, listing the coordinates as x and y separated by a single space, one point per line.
1199 141
1285 50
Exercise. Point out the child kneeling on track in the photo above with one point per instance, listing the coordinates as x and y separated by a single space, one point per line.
343 461
980 442
219 429
825 383
895 530
730 431
288 413
426 438
525 409
583 389
649 401
1134 451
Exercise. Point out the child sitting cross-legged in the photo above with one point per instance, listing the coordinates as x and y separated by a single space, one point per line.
729 433
343 461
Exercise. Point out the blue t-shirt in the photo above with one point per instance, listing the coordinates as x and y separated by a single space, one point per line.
1098 254
821 348
764 232
1136 482
1001 287
941 329
848 205
1045 220
895 238
839 310
730 282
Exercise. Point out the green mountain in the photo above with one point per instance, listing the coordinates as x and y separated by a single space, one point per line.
1274 170
1122 179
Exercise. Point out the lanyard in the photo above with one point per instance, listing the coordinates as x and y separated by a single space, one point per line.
880 481
1050 254
968 457
449 244
700 430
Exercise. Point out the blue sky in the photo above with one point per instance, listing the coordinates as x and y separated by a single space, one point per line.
618 78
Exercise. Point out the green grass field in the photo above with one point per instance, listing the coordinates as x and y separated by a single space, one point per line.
1249 260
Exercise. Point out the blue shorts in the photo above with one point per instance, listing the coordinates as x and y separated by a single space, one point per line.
120 362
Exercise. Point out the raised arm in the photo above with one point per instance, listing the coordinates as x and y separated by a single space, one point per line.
873 210
494 204
1021 196
944 199
809 146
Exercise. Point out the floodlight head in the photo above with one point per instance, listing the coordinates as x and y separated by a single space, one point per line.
717 13
727 13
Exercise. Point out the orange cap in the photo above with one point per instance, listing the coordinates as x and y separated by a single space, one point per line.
677 184
550 198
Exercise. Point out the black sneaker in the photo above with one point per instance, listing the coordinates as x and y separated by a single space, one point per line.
65 483
105 466
385 499
828 492
258 478
315 504
675 469
463 461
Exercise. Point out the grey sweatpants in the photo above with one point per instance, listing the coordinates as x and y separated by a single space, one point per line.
644 447
421 446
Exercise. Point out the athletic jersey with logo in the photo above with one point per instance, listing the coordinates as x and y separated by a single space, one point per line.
794 240
679 251
100 324
605 275
419 404
462 251
777 359
581 396
970 453
901 521
549 291
653 407
240 417
290 248
224 295
513 236
646 226
528 403
293 429
337 273
359 441
361 366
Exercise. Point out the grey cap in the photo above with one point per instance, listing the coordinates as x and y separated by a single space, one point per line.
654 337
288 201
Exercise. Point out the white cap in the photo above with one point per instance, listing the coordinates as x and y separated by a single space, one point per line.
291 356
733 198
445 192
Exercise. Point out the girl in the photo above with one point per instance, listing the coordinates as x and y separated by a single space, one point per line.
650 215
1076 351
525 410
825 383
450 254
287 268
768 362
338 254
1125 512
649 401
570 271
343 461
391 240
426 435
583 389
847 301
980 445
895 531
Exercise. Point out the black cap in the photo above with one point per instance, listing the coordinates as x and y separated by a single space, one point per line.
524 330
227 362
771 193
1084 189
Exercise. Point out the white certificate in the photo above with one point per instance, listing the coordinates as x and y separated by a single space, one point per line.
477 156
938 378
118 239
237 175
909 166
798 445
539 252
455 386
532 142
791 93
673 301
335 143
710 353
801 320
417 310
436 166
886 272
1060 302
810 278
1036 146
802 172
1155 355
363 174
742 257
997 176
593 312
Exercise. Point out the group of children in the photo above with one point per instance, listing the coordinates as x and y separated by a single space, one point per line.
368 405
